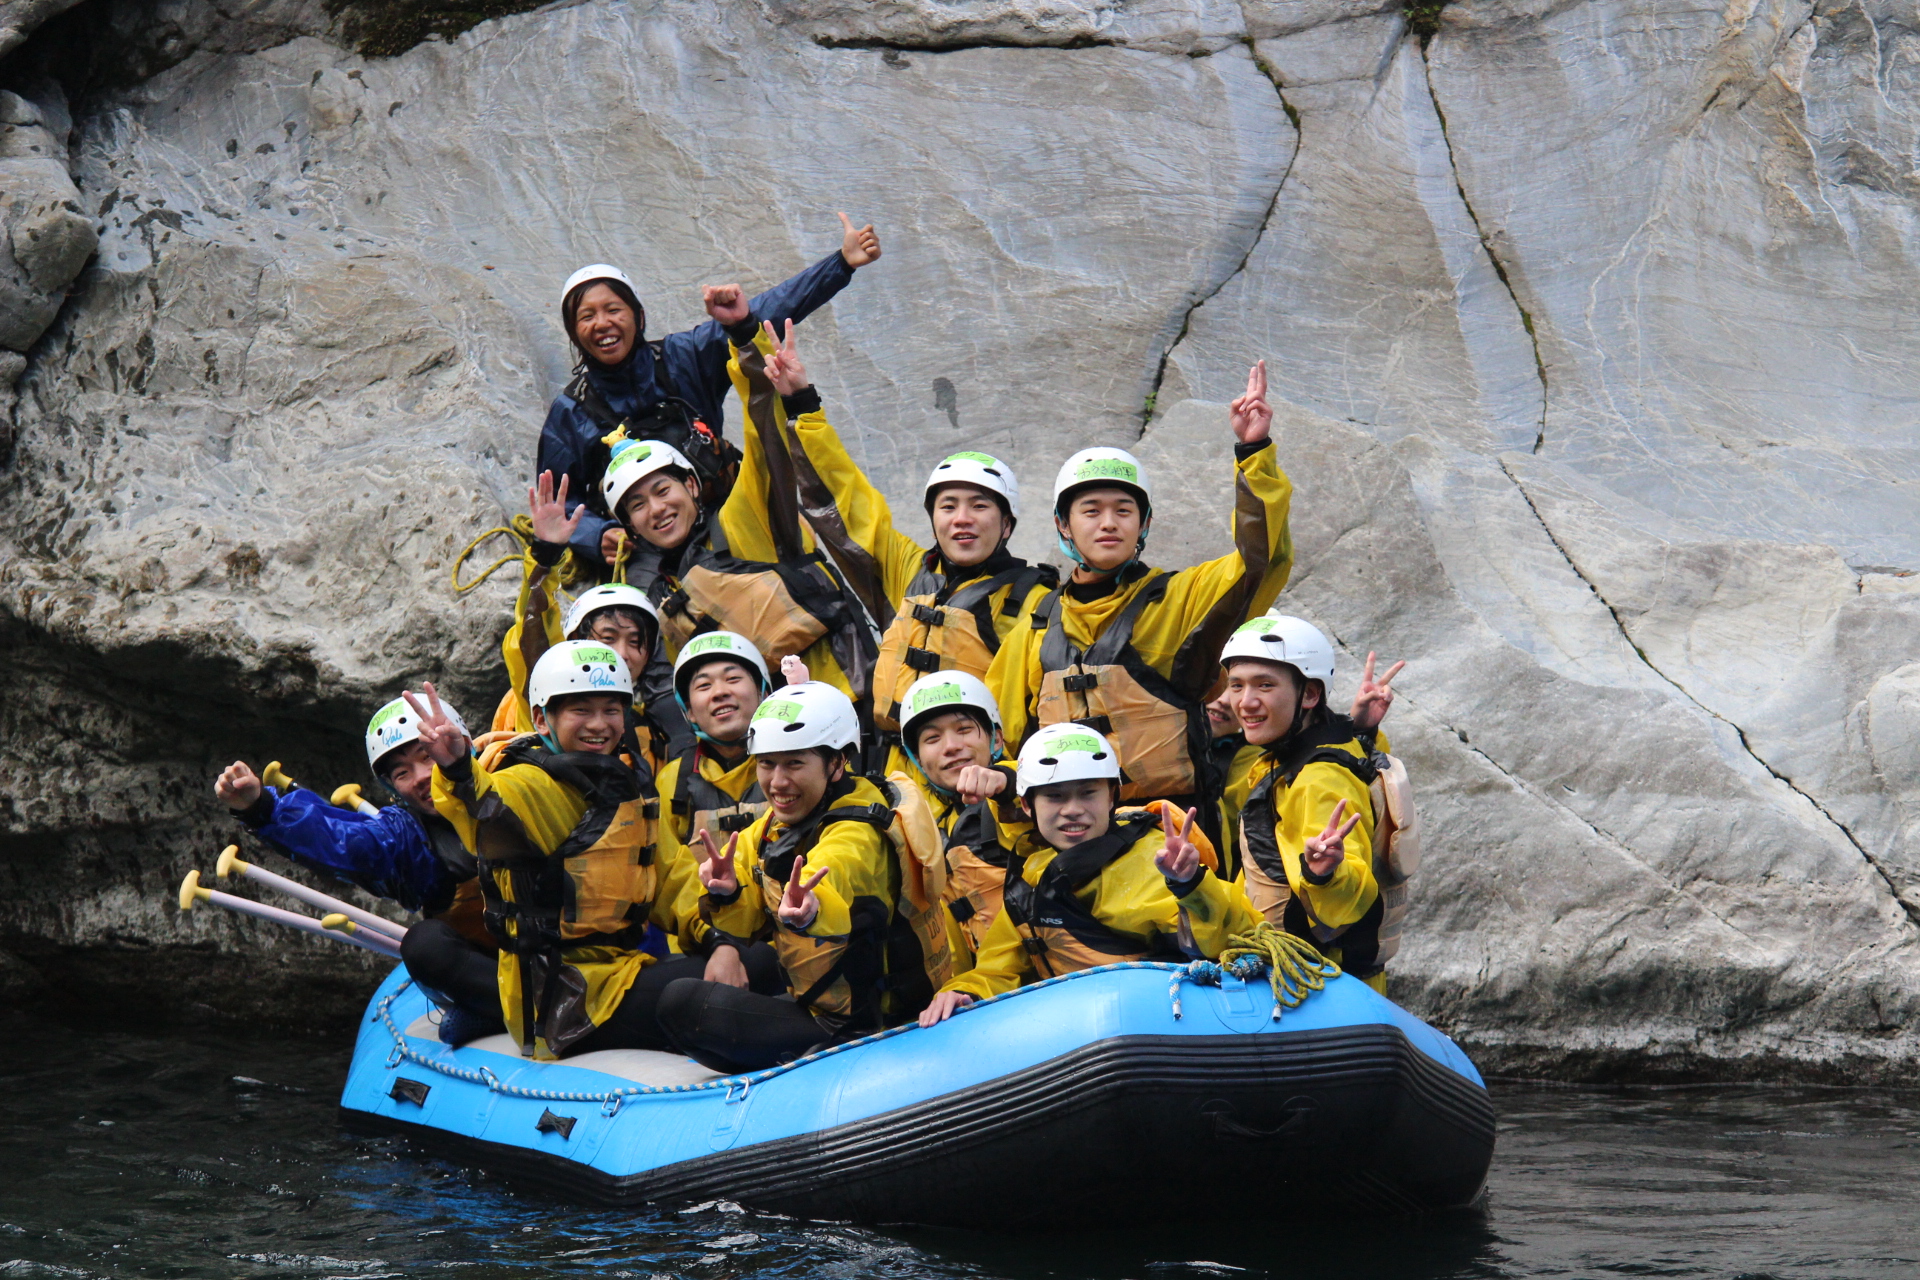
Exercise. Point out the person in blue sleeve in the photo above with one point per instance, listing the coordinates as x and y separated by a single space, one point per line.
672 388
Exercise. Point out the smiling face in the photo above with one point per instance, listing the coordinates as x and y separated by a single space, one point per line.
661 509
590 722
1104 526
1221 719
619 629
722 697
1268 697
604 325
946 744
968 523
795 781
1071 813
408 771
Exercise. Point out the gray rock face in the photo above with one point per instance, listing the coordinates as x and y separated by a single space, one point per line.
1590 325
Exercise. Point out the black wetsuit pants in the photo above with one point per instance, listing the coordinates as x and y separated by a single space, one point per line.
469 975
726 1029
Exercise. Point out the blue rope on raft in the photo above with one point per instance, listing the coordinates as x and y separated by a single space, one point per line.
1202 972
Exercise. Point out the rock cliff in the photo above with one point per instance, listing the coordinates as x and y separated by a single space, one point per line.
1588 321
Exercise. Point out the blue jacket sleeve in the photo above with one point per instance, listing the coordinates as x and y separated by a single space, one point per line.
697 359
388 855
564 440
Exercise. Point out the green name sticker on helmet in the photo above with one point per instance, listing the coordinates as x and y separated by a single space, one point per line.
709 644
1107 469
938 695
631 451
985 459
585 656
387 715
1076 742
1256 627
778 709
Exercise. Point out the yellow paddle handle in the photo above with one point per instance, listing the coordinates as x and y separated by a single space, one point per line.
274 776
230 862
191 892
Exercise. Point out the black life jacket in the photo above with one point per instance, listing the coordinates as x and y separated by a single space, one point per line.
670 420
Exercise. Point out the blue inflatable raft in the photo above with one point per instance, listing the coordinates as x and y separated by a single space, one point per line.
1077 1100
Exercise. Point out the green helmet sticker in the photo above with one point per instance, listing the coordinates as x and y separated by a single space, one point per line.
1107 469
585 656
630 451
1077 742
985 459
1255 627
778 709
385 715
938 695
709 644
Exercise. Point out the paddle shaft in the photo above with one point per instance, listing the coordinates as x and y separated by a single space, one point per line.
314 898
377 943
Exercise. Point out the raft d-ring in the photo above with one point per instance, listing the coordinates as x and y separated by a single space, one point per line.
394 1058
746 1086
611 1106
488 1078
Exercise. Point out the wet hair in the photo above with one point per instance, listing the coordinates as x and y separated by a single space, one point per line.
570 310
649 629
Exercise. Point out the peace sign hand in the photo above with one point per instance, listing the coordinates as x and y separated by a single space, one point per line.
784 369
1251 414
858 246
1324 853
444 740
549 510
716 868
1372 699
799 905
1179 861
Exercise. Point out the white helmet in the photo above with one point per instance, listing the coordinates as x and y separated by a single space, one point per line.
1278 638
598 271
1103 466
1064 753
801 716
395 725
982 471
710 647
578 666
941 691
635 460
607 596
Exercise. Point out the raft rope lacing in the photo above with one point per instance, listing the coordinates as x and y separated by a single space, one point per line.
1294 968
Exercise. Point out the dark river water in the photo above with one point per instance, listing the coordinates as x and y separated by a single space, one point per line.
189 1155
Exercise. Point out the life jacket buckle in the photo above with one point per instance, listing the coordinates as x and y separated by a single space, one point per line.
731 822
922 660
929 615
1081 683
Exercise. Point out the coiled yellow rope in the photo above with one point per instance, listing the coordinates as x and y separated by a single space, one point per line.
1292 965
520 530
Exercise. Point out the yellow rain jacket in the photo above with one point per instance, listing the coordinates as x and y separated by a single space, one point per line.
835 966
1155 691
1341 912
572 875
710 794
939 622
1098 903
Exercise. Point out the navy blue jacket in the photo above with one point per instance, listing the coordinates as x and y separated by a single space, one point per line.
390 854
696 363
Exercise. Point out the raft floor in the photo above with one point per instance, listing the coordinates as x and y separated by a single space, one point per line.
642 1066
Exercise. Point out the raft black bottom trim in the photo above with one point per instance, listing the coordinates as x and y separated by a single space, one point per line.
1349 1120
